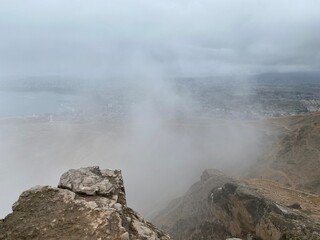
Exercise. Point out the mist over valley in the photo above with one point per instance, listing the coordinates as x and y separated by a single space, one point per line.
203 116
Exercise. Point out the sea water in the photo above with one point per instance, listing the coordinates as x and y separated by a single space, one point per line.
23 104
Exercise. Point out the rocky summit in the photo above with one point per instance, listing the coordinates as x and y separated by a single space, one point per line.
88 203
219 207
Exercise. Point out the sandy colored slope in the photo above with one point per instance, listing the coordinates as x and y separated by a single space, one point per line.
294 157
309 202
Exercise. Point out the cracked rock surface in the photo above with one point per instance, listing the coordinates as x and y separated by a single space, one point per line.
89 203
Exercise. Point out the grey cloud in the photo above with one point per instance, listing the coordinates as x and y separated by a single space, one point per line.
98 37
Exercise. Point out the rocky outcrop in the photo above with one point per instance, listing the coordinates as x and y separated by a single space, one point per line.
89 203
92 181
219 207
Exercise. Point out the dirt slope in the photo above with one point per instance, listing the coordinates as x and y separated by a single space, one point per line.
294 157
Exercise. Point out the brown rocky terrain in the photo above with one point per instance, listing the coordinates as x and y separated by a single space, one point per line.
218 207
293 158
276 198
89 203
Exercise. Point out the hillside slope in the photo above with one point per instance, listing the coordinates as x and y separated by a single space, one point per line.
294 156
218 207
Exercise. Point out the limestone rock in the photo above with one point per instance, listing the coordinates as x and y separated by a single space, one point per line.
93 181
88 204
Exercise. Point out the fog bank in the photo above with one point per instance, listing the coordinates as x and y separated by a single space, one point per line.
120 57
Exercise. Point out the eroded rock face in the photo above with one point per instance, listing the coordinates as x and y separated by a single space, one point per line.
218 207
88 204
92 181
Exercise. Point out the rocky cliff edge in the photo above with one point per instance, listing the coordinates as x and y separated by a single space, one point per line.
219 207
88 203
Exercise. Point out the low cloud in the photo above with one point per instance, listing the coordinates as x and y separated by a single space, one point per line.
184 37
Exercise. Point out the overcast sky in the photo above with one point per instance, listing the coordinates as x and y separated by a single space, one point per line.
178 37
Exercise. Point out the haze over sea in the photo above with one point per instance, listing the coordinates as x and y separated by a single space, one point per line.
27 104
